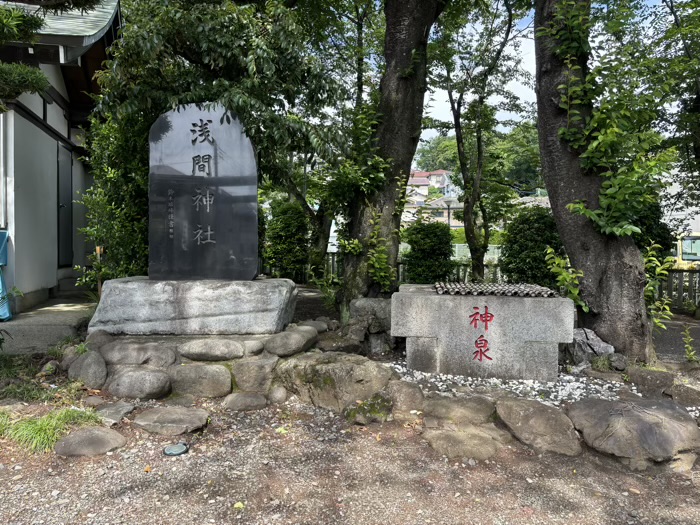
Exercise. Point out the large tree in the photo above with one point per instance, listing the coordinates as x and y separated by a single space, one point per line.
595 122
374 218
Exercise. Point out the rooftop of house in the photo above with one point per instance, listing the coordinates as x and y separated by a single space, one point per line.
413 181
73 28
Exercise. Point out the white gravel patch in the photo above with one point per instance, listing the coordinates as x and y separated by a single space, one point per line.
567 389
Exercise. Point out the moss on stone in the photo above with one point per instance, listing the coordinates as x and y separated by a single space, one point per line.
376 408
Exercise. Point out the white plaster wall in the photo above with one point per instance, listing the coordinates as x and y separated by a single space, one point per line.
34 102
34 208
53 73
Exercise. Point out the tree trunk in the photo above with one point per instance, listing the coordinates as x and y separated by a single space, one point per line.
613 281
402 92
321 225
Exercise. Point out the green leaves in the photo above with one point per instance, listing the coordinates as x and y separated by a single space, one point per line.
568 278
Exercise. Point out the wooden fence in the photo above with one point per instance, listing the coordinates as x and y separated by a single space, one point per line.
334 268
682 286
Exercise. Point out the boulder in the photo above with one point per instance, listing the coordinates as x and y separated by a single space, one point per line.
253 347
240 401
586 346
539 426
254 374
375 409
331 342
642 430
49 369
460 411
98 338
291 341
686 394
126 352
376 311
90 441
319 326
211 349
332 380
113 413
138 305
139 382
618 362
476 442
200 380
651 382
89 368
405 397
172 421
70 354
278 395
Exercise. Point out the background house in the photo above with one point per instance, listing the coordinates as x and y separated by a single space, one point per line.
41 173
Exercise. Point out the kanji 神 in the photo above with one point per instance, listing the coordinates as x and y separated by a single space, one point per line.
477 316
204 237
482 349
205 199
202 132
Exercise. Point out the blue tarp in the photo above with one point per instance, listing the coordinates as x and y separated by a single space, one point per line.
5 312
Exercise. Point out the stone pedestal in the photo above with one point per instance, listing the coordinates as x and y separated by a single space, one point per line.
481 336
139 306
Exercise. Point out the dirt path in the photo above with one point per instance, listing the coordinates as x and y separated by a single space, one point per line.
318 470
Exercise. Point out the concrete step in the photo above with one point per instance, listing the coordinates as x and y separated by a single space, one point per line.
48 324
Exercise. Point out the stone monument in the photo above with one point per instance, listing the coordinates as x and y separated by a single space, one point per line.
489 331
203 238
203 197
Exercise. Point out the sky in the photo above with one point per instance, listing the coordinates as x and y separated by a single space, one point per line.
439 106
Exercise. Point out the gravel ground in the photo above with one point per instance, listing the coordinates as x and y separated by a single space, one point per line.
295 464
298 465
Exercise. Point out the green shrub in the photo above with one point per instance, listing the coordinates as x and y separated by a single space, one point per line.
41 434
524 244
430 257
287 242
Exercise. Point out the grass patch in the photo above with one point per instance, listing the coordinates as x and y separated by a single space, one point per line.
4 423
18 366
26 391
601 363
41 434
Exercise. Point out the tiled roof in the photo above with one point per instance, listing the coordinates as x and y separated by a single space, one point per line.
74 28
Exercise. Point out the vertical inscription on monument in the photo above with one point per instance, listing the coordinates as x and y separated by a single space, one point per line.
203 215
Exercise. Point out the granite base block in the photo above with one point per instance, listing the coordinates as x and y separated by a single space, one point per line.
139 306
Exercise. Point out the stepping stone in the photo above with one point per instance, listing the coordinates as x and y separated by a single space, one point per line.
113 413
93 401
477 442
90 441
640 431
460 410
241 401
211 349
172 421
539 426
